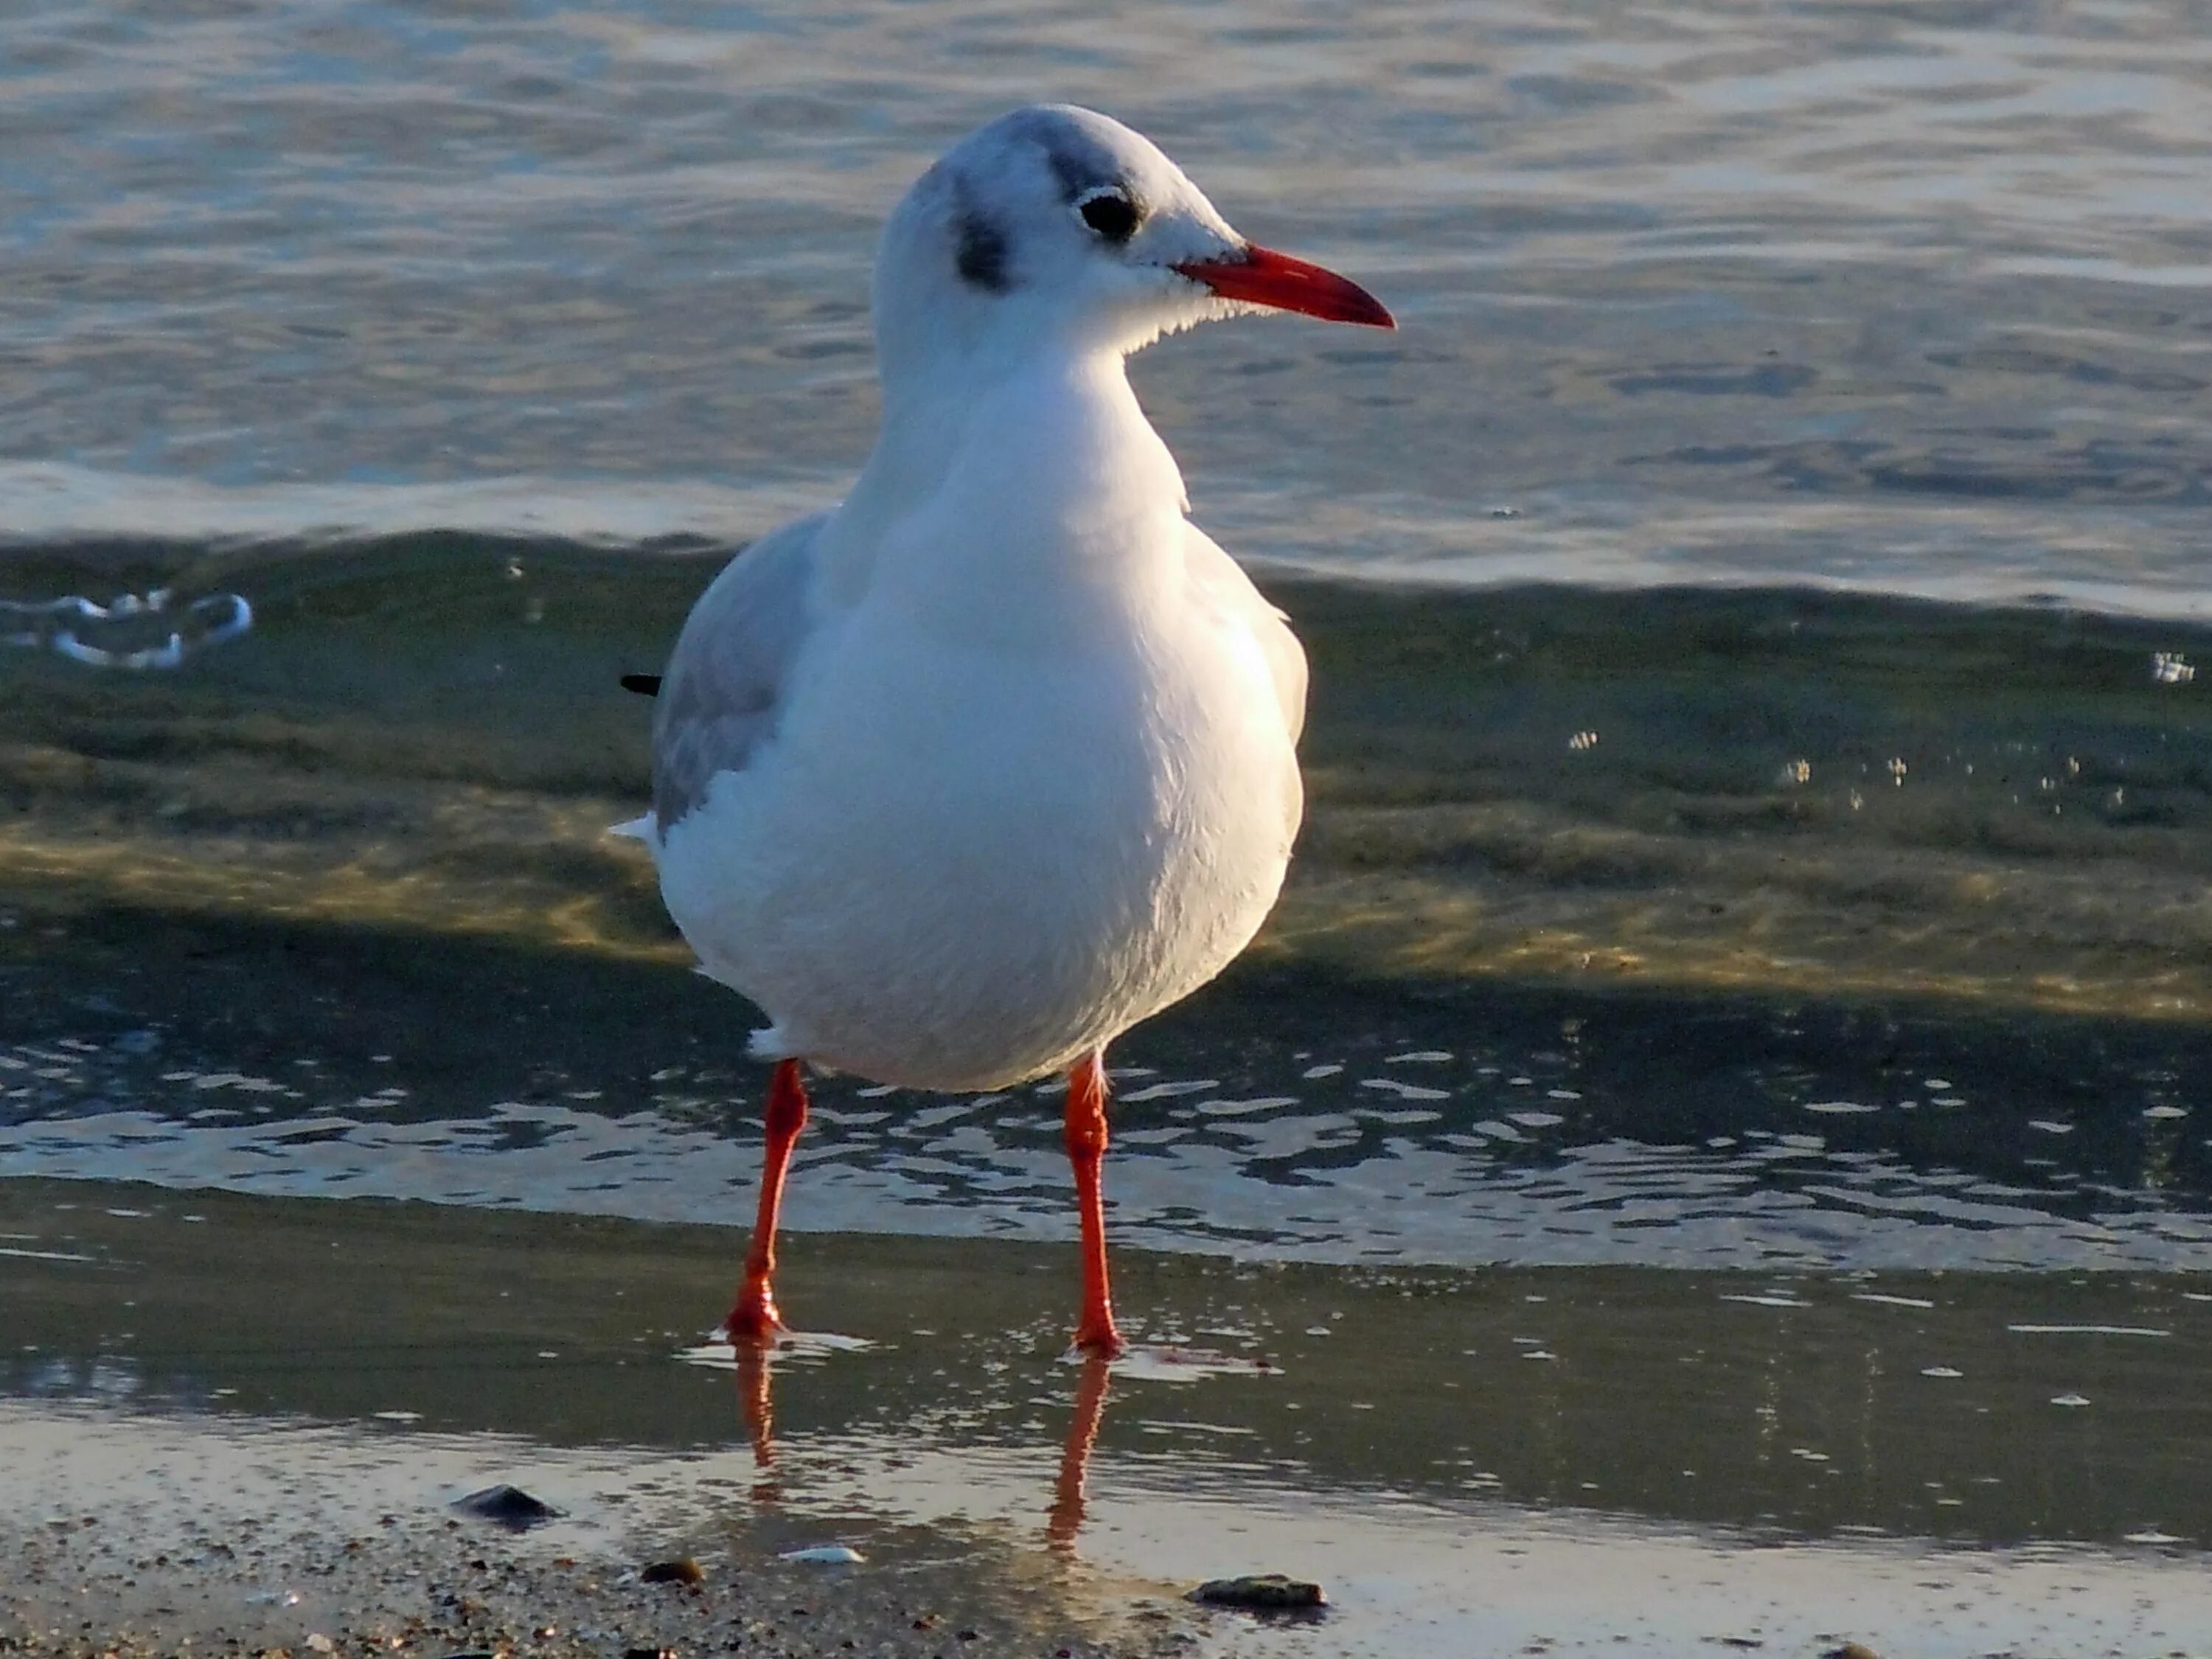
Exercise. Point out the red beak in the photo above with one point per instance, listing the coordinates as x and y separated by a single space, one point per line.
1261 276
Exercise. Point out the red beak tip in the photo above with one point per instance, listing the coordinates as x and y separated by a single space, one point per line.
1264 277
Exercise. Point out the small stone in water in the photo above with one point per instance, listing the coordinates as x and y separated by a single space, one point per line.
507 1506
683 1571
1262 1592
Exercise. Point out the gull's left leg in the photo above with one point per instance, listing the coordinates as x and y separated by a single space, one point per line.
1086 1149
754 1319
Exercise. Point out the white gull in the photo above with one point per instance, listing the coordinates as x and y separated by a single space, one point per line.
960 780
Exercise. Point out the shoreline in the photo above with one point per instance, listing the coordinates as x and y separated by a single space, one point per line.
144 1535
239 1391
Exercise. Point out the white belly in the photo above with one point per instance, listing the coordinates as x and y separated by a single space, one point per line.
957 868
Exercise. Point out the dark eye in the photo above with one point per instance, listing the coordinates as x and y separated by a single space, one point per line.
1109 211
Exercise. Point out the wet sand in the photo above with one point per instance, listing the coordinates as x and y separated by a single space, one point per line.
1591 1459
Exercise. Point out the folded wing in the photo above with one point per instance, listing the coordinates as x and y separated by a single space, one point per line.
721 695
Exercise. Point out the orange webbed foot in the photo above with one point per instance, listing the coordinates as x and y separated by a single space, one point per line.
754 1322
1101 1339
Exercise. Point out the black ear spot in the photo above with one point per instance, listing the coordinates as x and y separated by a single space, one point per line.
982 255
1109 211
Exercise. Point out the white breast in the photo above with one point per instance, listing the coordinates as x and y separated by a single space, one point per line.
965 862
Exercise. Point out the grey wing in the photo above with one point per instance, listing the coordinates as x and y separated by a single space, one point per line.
720 696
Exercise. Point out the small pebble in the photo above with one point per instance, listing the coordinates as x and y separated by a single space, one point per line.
1851 1650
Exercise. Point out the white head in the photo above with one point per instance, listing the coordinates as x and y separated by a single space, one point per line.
1055 227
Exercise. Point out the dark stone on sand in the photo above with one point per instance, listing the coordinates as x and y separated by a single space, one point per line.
1851 1650
683 1571
507 1506
1262 1592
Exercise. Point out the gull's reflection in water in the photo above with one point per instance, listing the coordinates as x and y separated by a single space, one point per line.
755 1383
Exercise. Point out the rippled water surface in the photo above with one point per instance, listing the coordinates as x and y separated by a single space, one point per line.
1568 1131
1908 297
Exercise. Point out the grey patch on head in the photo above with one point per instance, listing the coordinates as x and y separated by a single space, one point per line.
1079 172
1078 160
982 255
721 697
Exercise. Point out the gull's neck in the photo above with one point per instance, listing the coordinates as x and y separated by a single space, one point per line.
1014 471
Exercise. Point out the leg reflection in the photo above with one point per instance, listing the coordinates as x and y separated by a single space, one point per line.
756 1400
1068 1503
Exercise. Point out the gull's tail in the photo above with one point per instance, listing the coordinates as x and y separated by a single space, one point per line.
644 829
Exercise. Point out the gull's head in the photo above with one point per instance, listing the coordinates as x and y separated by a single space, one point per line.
1058 227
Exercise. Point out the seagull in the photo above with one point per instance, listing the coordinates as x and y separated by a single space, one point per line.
960 779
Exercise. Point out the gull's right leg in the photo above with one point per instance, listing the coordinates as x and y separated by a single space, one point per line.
754 1319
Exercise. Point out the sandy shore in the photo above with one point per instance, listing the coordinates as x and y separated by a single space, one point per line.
126 1536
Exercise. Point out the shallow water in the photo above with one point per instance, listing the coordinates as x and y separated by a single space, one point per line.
1814 1401
1565 1131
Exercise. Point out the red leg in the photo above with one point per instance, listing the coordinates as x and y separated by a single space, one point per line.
1086 1146
754 1319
